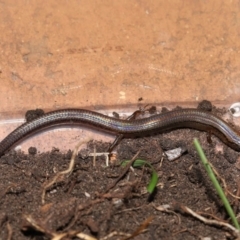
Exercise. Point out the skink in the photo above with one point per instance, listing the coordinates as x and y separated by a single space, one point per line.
183 118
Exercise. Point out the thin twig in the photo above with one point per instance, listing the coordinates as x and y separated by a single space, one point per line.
141 228
95 154
166 208
67 171
223 182
10 231
124 172
185 209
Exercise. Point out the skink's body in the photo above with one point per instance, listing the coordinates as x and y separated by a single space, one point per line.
184 118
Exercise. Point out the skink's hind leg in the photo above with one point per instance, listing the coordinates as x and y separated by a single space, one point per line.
115 143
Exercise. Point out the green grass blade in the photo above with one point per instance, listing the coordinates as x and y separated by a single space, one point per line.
216 183
154 177
153 182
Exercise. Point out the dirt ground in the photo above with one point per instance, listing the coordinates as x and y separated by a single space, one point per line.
106 55
104 203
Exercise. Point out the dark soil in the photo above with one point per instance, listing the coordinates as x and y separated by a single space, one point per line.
82 201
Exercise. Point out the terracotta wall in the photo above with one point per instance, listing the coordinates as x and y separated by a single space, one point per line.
57 54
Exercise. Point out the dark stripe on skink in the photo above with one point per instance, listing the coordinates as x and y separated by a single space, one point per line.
184 118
